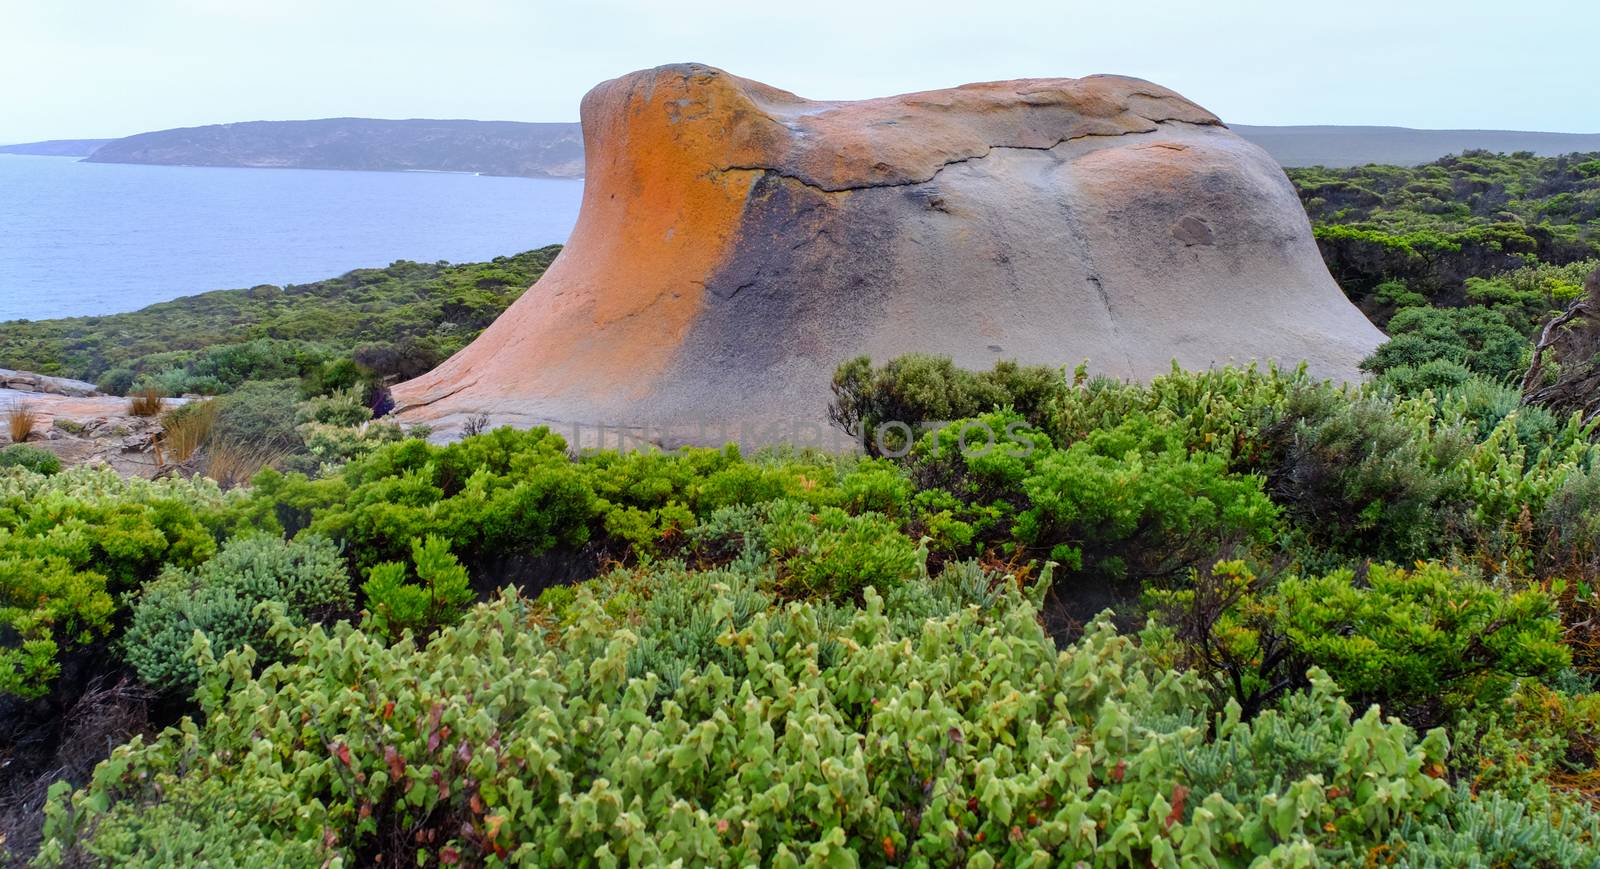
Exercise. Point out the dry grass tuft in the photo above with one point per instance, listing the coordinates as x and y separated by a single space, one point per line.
20 420
145 402
232 463
184 429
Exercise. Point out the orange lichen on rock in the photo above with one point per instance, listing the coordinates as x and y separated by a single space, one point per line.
654 224
736 242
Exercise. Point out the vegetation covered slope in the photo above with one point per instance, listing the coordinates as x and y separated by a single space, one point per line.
1434 226
809 658
403 318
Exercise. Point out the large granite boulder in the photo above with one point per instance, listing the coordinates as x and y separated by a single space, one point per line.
737 242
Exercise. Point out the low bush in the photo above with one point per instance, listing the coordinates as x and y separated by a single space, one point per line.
846 740
260 415
304 579
818 553
72 544
438 597
31 458
1426 645
1478 340
1130 502
888 407
1366 477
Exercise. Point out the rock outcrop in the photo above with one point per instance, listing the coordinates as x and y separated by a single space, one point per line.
737 242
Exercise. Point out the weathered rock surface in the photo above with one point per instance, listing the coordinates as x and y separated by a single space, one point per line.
93 429
737 242
28 381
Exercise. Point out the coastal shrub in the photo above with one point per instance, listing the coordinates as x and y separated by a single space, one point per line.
1219 410
888 407
437 598
846 740
818 553
31 458
331 447
260 414
305 579
1363 476
1477 339
499 496
72 544
1423 642
1131 502
344 407
335 375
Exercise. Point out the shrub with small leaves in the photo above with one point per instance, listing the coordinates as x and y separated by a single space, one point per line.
29 457
304 578
438 597
72 544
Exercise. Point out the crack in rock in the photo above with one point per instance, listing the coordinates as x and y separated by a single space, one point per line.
989 149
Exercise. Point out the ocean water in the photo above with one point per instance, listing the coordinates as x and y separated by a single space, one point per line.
97 238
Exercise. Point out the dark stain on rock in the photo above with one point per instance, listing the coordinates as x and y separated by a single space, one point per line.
1193 231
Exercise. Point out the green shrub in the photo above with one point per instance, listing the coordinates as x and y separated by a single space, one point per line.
344 407
1476 339
819 553
1362 476
1568 528
888 407
1425 644
1131 502
31 458
260 415
937 747
71 544
1220 410
304 578
438 598
494 498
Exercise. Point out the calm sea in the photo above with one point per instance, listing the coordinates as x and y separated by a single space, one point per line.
97 238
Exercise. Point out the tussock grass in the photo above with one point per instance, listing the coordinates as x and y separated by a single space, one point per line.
185 429
145 402
20 420
233 463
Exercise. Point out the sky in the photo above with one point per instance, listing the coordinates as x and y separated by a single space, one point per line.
107 68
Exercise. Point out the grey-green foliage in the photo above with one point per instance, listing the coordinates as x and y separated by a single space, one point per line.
305 577
1492 829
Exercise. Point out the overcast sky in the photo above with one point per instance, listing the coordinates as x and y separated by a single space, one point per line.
102 68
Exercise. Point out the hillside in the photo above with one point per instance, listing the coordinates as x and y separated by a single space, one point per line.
1337 146
1434 228
410 314
556 149
56 147
484 147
